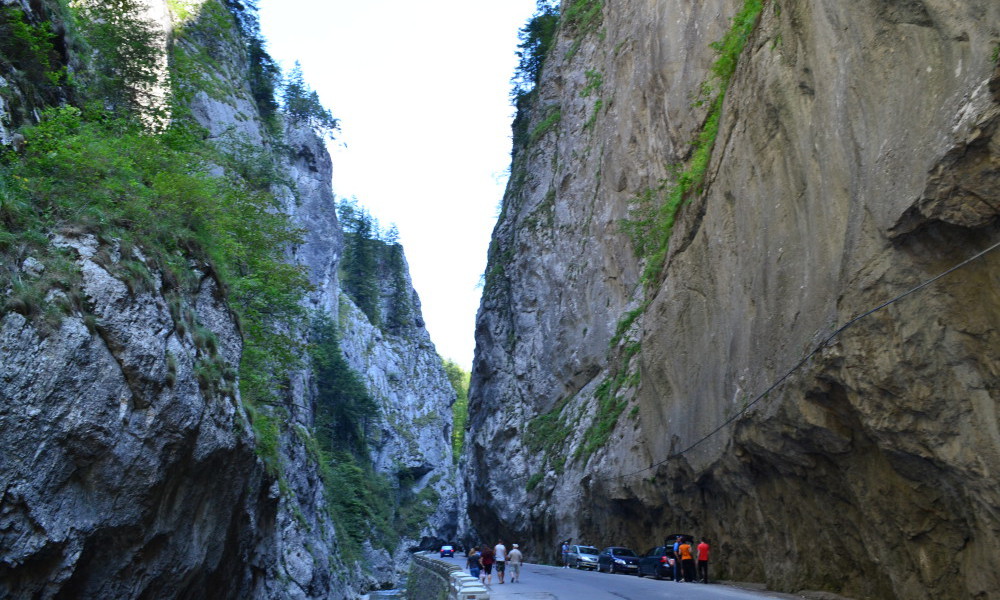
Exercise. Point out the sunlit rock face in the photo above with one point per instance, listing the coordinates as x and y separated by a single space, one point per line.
410 437
858 156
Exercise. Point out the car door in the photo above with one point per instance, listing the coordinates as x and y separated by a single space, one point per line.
604 559
644 564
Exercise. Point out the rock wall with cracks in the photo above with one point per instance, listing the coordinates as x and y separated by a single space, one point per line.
122 476
858 156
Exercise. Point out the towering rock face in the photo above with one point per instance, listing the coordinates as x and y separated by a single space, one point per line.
411 435
858 156
127 472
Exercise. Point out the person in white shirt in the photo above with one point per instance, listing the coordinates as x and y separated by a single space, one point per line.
500 555
514 560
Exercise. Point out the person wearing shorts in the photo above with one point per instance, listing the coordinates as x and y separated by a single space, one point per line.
500 556
514 562
486 560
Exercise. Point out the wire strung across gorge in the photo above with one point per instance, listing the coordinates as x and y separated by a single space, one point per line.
806 358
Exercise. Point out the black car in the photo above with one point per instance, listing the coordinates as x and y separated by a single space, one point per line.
616 559
656 562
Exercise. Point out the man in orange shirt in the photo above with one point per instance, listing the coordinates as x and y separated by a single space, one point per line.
703 560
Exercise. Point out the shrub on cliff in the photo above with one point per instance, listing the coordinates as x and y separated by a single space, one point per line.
94 172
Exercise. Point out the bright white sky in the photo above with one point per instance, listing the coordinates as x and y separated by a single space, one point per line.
422 93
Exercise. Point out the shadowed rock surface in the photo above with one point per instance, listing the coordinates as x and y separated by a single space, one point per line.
858 156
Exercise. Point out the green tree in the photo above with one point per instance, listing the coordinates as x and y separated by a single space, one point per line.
459 379
359 264
343 404
536 39
302 105
400 309
126 51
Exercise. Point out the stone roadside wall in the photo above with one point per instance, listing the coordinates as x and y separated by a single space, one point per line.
432 579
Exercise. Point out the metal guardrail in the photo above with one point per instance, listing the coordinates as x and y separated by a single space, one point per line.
459 584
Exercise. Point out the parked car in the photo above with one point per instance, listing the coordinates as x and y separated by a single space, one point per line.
671 538
656 563
616 559
582 557
447 551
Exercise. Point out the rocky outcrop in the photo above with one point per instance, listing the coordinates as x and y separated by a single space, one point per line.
857 158
112 450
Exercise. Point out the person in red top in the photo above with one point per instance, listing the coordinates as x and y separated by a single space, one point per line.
486 559
703 560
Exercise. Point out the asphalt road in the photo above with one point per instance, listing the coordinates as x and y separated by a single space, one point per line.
540 582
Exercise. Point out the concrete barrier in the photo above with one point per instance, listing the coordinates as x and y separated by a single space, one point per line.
434 579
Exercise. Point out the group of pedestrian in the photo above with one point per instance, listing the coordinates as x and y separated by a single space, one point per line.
690 562
483 560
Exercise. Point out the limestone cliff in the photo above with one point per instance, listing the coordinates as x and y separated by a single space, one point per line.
131 465
857 156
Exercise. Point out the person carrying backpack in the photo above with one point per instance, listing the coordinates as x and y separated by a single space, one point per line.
472 563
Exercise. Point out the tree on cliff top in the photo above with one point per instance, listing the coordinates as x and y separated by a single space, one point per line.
302 105
536 39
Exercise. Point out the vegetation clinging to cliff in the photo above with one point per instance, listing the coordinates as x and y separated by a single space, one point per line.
654 211
371 258
30 49
365 504
98 168
124 49
459 379
302 105
536 39
343 404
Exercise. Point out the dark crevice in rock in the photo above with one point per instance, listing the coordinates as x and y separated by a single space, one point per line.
132 376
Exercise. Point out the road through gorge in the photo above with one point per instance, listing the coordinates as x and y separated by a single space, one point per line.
541 582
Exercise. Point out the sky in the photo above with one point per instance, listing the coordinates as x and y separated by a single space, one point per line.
422 93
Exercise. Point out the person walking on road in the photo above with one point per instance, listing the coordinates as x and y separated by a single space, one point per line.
514 563
472 563
486 560
703 560
500 556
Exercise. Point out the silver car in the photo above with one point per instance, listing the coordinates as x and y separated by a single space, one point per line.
582 557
